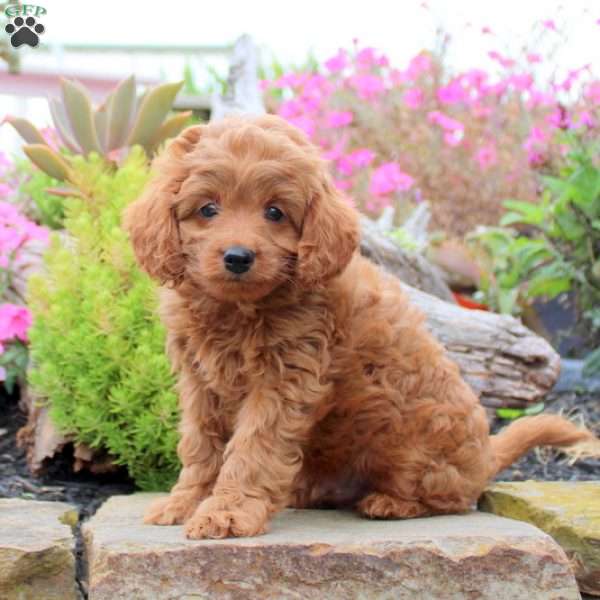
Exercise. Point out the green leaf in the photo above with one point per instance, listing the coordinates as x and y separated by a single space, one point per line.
81 116
121 107
101 125
534 409
170 128
152 112
510 413
549 287
531 214
591 365
61 123
26 130
48 161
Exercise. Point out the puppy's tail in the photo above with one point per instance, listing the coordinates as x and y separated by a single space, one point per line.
543 430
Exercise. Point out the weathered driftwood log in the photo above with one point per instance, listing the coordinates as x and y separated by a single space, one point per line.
505 363
411 268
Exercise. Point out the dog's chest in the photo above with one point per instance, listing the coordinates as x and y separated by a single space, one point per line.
235 355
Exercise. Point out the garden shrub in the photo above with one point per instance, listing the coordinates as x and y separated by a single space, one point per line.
97 346
557 246
464 141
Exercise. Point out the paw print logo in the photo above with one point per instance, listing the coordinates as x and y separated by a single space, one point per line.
24 31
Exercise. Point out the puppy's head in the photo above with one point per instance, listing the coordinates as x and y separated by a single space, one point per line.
239 208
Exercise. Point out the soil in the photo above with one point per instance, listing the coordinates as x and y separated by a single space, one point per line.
88 491
83 490
549 464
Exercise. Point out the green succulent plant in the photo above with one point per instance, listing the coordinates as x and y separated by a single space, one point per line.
121 121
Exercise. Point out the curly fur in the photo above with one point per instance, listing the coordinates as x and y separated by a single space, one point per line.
310 380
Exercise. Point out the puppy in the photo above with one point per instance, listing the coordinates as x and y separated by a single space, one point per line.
305 376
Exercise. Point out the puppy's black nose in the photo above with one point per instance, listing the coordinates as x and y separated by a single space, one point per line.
238 259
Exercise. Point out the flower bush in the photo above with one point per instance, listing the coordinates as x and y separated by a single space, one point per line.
17 235
464 141
97 346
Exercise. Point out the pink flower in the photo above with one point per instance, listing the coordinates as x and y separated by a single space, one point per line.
571 78
5 189
537 98
398 77
14 322
586 118
289 108
453 138
366 58
414 98
521 82
558 118
338 62
475 77
389 178
535 144
452 93
336 152
549 24
290 80
507 63
362 157
593 92
339 118
453 130
304 123
534 57
355 160
367 86
486 156
444 121
419 64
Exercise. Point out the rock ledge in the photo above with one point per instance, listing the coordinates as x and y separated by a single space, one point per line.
325 554
36 550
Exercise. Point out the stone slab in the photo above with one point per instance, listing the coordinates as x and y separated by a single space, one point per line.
36 550
568 511
325 554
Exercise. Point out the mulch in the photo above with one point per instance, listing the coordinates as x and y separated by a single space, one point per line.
59 483
88 491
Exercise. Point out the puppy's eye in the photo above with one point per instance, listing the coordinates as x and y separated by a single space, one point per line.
209 210
272 213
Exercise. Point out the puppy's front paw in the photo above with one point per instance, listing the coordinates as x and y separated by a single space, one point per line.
172 510
217 518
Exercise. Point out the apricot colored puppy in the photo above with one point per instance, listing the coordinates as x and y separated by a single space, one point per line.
305 376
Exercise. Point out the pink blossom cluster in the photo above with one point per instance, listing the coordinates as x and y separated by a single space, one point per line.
394 135
16 233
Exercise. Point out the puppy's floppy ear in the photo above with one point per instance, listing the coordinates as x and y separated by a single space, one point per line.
150 220
330 235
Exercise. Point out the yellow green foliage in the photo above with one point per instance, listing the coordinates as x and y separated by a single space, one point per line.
97 346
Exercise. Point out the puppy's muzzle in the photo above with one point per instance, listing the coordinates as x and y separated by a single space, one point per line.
238 259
